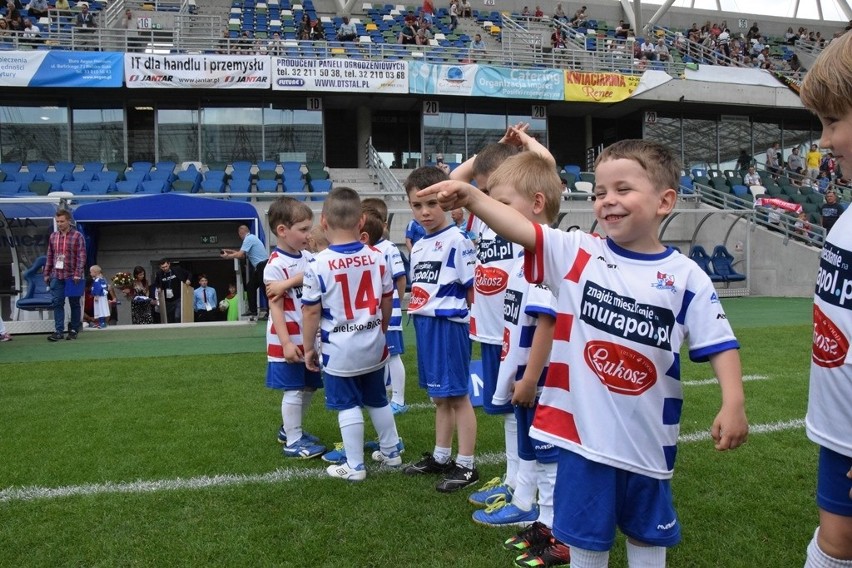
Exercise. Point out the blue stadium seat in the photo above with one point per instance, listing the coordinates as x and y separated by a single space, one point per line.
702 259
38 169
37 297
213 185
10 188
74 186
152 186
267 185
723 265
127 186
55 179
94 167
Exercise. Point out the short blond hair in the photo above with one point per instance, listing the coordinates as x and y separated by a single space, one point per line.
827 87
528 173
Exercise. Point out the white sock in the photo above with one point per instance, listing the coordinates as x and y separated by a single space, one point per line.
385 426
397 379
351 423
465 461
307 397
645 556
582 558
510 433
816 558
291 415
524 496
442 455
546 478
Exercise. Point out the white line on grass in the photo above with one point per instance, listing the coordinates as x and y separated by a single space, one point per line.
279 475
714 380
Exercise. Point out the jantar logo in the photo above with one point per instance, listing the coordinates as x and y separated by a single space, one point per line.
418 298
490 280
830 345
621 369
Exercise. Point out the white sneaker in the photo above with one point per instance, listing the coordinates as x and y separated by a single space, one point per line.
393 460
343 471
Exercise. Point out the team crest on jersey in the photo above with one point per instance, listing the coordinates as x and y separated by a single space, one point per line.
664 282
439 245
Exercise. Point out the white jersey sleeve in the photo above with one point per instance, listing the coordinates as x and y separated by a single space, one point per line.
397 270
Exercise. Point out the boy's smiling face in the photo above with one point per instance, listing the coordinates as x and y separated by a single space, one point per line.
837 137
628 206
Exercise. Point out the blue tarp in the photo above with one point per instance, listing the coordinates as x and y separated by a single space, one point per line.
168 207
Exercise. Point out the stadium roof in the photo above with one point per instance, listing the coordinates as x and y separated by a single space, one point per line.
826 10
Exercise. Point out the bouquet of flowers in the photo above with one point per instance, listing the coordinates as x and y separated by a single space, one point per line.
122 280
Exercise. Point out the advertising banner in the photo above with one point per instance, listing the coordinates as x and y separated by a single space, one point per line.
339 75
599 87
486 81
196 71
60 69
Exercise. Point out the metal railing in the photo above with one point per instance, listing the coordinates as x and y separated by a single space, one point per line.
387 181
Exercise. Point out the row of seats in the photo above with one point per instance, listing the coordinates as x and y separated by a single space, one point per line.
719 266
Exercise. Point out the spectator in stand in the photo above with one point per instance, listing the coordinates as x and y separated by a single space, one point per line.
559 14
347 31
802 227
557 39
831 210
13 17
752 177
790 36
316 33
794 63
525 13
276 44
753 31
423 36
773 164
466 10
580 18
828 164
85 19
648 49
4 27
31 32
813 159
822 182
795 163
454 15
621 30
38 9
304 24
539 13
407 35
662 50
723 40
477 44
428 10
62 5
743 161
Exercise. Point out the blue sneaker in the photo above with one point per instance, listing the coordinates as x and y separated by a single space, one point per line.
490 491
373 446
282 436
335 456
303 449
500 513
398 408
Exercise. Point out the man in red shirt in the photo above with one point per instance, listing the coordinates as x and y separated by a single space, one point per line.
63 274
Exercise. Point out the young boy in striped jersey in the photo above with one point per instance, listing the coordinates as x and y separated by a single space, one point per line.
290 221
347 294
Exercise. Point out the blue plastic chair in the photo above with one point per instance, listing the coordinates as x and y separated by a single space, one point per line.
10 188
152 186
94 167
702 259
74 186
38 169
37 297
267 185
723 265
213 185
127 186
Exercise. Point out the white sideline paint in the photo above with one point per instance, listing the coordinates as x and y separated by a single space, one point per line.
714 380
13 494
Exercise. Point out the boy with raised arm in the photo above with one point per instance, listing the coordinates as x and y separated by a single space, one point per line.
350 286
613 396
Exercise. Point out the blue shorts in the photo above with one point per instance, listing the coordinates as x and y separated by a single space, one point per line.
590 499
396 345
443 356
530 449
490 371
343 393
291 376
833 487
